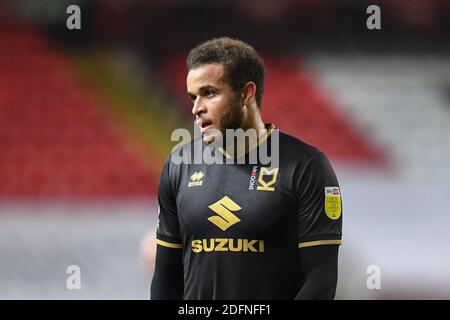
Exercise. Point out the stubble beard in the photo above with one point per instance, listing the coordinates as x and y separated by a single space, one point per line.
232 118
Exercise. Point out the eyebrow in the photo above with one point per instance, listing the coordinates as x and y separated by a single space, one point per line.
202 89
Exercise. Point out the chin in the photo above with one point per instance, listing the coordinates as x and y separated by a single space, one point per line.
212 135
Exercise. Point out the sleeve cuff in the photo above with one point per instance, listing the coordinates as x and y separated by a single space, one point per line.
319 243
169 245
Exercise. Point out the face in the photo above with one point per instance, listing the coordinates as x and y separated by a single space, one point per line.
215 105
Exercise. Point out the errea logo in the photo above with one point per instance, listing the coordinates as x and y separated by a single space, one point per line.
196 179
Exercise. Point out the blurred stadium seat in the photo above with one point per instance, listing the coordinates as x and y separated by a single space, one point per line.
56 142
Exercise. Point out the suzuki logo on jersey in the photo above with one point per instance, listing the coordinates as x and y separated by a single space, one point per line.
225 217
228 245
267 179
196 179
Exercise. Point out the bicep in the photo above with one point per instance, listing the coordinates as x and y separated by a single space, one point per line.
167 282
319 208
168 227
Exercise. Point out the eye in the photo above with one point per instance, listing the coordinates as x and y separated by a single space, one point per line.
209 94
192 97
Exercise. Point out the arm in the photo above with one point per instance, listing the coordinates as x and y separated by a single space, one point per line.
320 229
319 265
168 278
167 283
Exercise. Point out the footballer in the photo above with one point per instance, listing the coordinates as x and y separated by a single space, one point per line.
244 230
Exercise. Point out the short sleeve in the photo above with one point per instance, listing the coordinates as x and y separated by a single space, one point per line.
319 204
168 228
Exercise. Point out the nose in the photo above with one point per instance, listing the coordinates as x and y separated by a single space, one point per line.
199 107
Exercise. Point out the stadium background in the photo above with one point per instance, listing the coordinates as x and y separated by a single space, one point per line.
86 117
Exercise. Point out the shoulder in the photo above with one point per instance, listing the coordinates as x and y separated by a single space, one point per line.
184 154
180 159
297 150
298 157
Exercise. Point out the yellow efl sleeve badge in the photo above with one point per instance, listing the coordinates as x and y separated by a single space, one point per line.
333 202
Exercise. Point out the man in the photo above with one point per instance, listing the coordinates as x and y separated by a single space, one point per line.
244 231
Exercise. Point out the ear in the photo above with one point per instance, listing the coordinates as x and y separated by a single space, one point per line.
248 93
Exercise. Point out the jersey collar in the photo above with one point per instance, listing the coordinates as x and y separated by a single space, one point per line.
241 151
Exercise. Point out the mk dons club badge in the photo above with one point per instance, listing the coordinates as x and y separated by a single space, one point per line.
333 202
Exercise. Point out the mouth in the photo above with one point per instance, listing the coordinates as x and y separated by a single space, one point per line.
204 125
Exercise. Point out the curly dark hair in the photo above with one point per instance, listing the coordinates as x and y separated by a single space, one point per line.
240 60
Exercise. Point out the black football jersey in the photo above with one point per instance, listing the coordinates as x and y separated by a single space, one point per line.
241 226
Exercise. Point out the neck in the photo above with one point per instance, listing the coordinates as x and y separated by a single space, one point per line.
257 133
254 121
